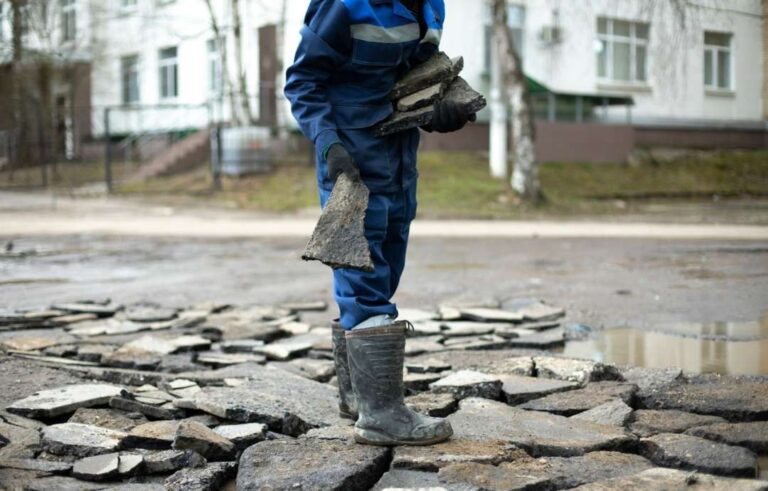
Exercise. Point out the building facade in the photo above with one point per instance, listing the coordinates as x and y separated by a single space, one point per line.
164 64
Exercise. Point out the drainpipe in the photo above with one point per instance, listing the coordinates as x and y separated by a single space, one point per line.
499 132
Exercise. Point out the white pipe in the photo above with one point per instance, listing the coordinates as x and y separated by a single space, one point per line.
498 131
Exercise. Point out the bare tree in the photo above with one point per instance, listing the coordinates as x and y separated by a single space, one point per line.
525 174
220 40
245 101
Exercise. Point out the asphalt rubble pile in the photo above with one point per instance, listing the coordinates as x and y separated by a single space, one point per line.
225 397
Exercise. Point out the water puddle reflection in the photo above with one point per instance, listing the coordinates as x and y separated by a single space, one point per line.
725 347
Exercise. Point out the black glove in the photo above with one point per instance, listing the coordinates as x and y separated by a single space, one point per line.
340 162
449 116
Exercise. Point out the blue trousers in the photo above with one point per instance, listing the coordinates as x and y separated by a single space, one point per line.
362 295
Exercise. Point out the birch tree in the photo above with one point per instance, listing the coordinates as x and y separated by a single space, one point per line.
525 173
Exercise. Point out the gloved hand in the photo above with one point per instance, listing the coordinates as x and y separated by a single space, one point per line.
449 116
340 162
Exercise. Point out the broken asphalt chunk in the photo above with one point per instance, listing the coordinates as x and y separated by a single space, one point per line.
693 453
56 402
191 435
80 440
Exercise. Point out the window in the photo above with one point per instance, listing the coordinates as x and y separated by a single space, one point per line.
622 51
718 61
516 21
129 69
128 5
214 68
169 73
68 19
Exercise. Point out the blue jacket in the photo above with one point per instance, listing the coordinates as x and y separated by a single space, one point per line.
350 55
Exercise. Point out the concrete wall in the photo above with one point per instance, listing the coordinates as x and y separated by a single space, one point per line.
765 60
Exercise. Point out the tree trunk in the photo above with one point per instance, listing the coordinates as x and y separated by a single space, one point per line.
525 175
19 113
245 102
221 45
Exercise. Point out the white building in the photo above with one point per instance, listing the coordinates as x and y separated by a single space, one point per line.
157 63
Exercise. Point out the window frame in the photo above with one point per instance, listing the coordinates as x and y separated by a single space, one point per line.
715 50
127 70
168 66
608 39
128 6
68 20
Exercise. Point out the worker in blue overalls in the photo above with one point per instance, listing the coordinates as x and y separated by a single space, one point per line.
350 55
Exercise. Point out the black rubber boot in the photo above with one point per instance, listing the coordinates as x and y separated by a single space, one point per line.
376 357
347 400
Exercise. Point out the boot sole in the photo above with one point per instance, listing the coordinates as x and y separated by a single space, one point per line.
371 437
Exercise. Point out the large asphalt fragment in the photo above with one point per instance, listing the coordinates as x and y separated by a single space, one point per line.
576 401
431 458
211 477
615 412
55 402
659 479
191 435
405 480
519 389
548 473
459 92
649 422
538 433
310 464
467 383
80 440
339 237
579 371
433 71
694 453
732 399
287 403
753 435
487 477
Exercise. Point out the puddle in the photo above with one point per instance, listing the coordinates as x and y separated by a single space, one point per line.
723 347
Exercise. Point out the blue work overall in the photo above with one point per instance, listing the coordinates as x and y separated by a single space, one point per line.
350 55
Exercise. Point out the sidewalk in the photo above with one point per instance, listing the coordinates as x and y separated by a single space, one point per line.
25 215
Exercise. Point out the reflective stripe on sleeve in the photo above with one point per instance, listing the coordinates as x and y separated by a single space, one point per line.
389 35
433 36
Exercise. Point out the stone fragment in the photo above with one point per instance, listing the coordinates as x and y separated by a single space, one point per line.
27 343
459 91
433 457
153 411
240 345
425 344
537 432
427 366
579 371
562 472
295 328
44 466
467 383
615 413
219 375
423 98
580 400
487 477
732 399
107 418
432 404
518 389
166 461
210 477
107 310
284 350
491 315
649 380
341 433
194 436
416 316
18 442
217 360
317 370
697 454
495 362
338 240
61 483
97 468
426 328
149 312
147 344
56 402
154 435
418 382
244 435
486 342
752 435
466 328
543 340
94 353
312 306
80 440
437 69
285 402
659 479
310 464
131 360
130 464
649 422
536 310
405 480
